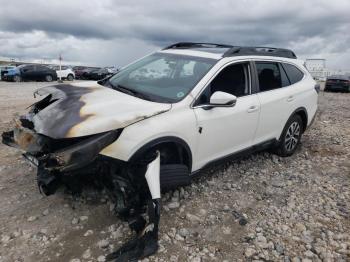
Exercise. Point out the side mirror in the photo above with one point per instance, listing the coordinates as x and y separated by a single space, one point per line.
222 99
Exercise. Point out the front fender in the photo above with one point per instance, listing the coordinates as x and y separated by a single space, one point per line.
155 129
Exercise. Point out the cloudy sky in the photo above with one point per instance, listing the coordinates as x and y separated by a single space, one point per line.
107 32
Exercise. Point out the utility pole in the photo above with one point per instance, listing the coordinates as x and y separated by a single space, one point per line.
60 58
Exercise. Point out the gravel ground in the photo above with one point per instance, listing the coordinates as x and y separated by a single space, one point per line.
261 208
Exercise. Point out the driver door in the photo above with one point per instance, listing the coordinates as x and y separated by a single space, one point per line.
226 129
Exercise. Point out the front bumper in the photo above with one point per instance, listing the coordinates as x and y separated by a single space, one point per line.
54 159
7 77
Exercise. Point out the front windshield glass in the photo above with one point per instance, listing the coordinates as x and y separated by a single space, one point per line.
162 77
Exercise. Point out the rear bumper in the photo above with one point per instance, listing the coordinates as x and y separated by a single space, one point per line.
340 88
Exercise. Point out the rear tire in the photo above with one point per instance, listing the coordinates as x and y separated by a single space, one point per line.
48 78
17 78
291 136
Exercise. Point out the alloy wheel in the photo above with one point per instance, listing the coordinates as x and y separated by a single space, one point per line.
292 136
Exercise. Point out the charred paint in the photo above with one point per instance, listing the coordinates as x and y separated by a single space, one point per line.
58 118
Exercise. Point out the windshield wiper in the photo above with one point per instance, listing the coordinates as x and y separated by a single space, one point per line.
130 91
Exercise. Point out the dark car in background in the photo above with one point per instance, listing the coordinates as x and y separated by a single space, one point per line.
81 72
78 71
337 83
99 74
31 73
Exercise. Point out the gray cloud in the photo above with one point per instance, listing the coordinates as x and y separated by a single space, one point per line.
115 32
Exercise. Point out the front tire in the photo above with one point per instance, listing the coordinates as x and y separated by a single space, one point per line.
17 78
291 136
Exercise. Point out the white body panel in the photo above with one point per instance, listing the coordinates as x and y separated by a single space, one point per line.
226 130
179 122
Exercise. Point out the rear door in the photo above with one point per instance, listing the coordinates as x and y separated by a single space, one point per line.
275 100
41 72
27 72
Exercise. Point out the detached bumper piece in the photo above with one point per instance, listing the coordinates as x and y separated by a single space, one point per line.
146 241
134 187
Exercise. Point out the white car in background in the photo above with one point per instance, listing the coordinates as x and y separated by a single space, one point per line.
66 72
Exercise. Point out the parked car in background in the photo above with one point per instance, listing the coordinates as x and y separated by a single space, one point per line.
99 74
31 73
66 72
87 71
337 83
4 70
78 71
12 74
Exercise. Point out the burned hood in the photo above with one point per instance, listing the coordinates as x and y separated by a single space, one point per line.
83 109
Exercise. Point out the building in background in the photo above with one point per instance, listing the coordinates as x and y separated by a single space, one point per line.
319 71
317 68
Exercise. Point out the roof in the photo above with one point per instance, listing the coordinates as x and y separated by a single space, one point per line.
218 51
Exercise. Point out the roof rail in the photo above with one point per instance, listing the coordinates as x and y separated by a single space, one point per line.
259 51
237 50
185 45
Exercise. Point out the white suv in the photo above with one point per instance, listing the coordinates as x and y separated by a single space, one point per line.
160 120
66 72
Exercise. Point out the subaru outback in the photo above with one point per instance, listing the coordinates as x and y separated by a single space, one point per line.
161 120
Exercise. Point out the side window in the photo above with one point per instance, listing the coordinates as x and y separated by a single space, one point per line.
233 79
269 76
29 68
293 73
40 68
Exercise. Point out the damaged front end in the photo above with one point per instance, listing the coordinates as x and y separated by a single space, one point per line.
57 159
63 134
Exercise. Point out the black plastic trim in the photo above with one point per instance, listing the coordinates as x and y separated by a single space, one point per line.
184 45
161 140
259 51
254 78
300 109
236 155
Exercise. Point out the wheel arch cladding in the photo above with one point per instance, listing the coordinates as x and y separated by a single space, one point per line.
303 114
301 111
175 143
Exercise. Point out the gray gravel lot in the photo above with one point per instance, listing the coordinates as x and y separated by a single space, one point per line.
260 208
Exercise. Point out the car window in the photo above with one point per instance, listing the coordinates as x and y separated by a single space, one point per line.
284 79
233 79
28 68
269 76
293 73
41 68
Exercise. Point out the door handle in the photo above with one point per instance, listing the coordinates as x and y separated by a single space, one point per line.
290 98
252 109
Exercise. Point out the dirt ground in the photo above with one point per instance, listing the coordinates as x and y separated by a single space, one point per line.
260 208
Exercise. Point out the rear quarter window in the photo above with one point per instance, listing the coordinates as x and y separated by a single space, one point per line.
294 74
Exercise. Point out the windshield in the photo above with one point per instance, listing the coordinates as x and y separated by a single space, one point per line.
162 77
